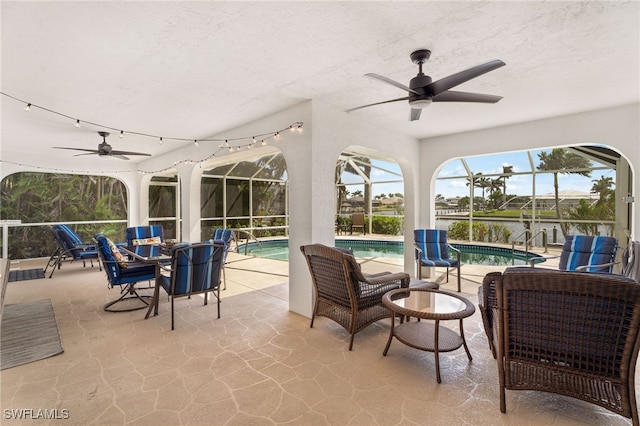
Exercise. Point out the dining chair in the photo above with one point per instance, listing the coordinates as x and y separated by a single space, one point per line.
357 222
433 250
195 269
125 274
69 247
343 293
227 236
148 234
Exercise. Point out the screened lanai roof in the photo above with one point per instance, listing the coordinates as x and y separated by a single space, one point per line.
519 168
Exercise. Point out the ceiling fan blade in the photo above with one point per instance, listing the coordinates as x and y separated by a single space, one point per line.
379 103
114 153
92 151
122 157
391 82
415 114
451 96
86 153
453 80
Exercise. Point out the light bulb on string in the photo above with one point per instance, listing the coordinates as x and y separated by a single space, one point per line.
195 142
121 134
27 107
160 140
77 124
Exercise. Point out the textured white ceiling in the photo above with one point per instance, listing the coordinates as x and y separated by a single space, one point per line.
195 69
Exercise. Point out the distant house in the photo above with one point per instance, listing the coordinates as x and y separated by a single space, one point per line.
567 199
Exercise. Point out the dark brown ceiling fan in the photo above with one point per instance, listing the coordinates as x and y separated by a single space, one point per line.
422 90
104 150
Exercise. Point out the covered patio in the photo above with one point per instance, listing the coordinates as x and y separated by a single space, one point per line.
258 364
172 81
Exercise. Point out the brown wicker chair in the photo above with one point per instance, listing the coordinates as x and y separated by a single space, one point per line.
343 293
568 333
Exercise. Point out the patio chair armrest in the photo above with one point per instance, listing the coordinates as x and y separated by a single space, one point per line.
455 250
585 268
417 251
532 262
377 274
380 279
452 248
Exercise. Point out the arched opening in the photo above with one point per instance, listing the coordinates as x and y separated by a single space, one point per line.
247 194
536 196
372 185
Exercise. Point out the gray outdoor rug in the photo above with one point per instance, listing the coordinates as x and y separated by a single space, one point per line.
29 333
27 274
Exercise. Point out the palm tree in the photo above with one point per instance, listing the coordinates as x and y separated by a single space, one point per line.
603 187
560 160
475 182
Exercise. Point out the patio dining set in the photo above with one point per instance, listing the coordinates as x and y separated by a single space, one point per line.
180 269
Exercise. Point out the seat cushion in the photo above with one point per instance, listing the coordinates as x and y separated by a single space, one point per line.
581 250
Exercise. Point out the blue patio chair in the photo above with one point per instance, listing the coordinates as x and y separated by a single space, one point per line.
124 274
195 269
588 253
432 250
149 234
227 236
70 247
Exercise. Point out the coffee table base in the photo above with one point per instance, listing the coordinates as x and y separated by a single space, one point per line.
429 337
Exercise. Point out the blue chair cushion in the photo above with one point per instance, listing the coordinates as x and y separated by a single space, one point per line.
151 232
223 234
435 250
581 250
73 245
118 275
194 269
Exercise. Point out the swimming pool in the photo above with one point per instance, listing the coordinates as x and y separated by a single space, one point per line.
470 253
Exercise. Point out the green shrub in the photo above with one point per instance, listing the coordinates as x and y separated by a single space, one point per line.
388 225
481 232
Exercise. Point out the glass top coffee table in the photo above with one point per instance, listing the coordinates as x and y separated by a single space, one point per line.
428 304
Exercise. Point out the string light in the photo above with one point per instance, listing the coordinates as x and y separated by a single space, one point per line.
253 139
237 147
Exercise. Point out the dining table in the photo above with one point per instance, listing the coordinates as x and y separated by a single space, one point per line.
157 254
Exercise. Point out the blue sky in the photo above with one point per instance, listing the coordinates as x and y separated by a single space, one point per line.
487 165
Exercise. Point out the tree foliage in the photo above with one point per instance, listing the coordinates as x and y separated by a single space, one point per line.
43 198
562 161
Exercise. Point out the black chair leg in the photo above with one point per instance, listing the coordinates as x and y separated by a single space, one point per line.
127 294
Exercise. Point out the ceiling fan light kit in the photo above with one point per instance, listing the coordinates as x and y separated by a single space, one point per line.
422 90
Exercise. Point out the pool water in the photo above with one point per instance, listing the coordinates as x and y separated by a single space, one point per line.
469 253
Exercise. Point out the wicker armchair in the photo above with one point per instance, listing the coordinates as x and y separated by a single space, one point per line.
343 293
568 333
